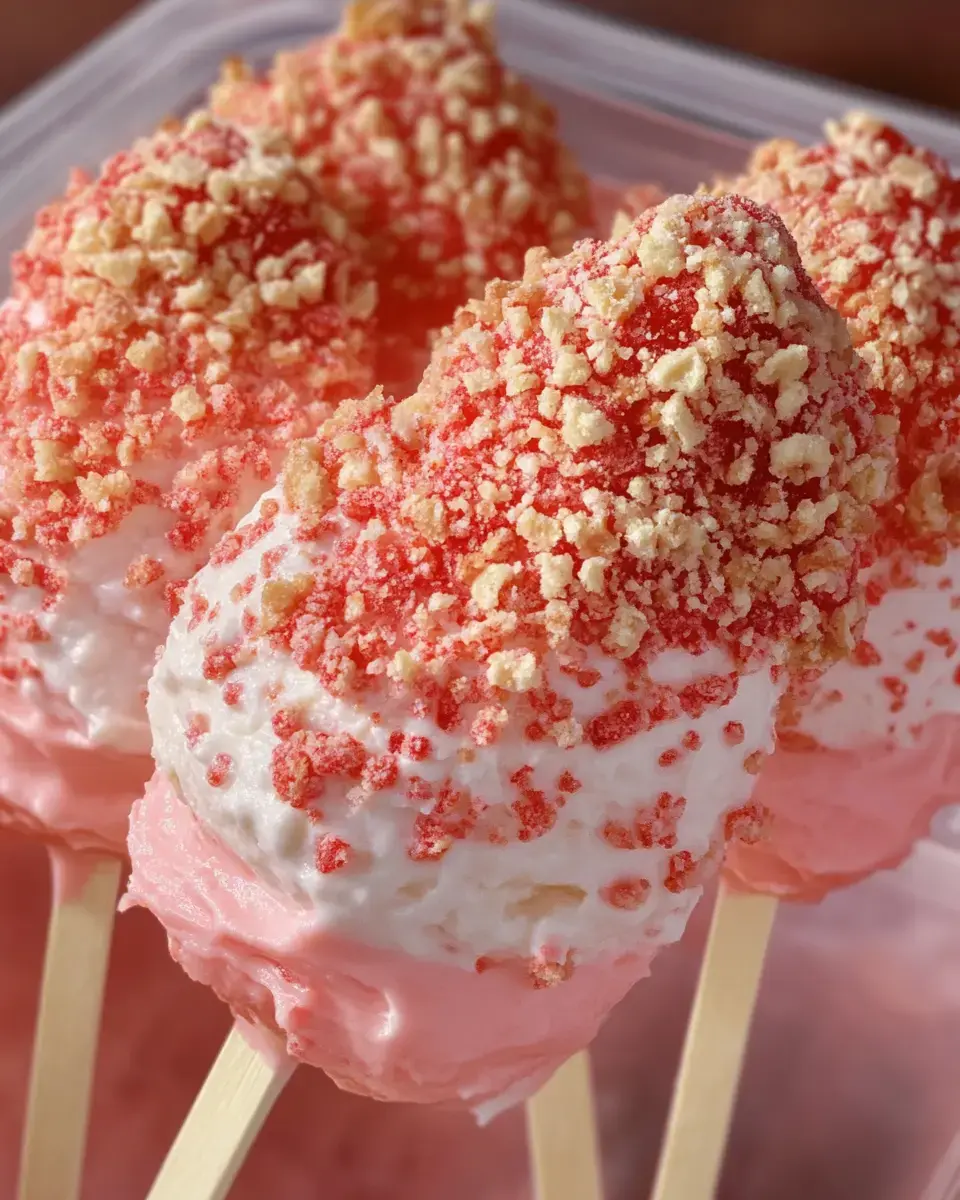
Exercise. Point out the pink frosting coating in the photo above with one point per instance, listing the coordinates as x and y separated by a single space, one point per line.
56 787
840 815
376 1021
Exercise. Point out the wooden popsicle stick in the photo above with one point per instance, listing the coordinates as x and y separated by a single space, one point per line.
562 1135
691 1158
67 1033
220 1128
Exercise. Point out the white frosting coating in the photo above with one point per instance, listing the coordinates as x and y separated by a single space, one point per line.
514 899
888 696
102 637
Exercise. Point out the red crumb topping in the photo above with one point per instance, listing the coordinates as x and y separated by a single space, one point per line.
866 655
217 664
651 825
744 824
332 854
629 893
633 449
659 443
446 161
681 872
877 222
656 444
733 733
173 323
219 769
943 639
303 761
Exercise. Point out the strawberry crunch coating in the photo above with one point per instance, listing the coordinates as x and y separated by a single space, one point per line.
175 323
471 702
867 753
656 443
445 160
877 224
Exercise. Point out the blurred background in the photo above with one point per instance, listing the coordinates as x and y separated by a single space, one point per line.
892 45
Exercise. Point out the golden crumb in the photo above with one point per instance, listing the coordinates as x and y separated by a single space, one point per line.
513 670
306 486
280 597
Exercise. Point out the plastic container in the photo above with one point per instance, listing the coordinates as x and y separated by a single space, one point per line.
850 1090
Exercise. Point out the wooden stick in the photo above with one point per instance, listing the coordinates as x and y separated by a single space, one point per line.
226 1117
68 1028
562 1134
692 1155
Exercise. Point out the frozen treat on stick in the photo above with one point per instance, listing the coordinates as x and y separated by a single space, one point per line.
452 729
174 324
870 750
447 162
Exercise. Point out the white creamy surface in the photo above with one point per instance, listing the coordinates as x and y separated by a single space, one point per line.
853 706
478 898
103 638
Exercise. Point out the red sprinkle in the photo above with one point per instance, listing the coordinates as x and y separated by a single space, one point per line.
333 853
217 664
681 872
618 723
219 769
733 733
286 722
628 893
379 773
866 654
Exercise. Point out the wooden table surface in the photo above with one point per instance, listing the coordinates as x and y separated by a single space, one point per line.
909 47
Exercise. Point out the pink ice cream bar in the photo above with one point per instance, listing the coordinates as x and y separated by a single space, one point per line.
867 753
445 160
67 790
173 325
368 1016
454 725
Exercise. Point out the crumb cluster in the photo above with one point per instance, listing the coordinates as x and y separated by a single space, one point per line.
173 324
660 442
877 224
446 161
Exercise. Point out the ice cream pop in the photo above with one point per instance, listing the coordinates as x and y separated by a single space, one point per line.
867 754
174 324
870 750
446 161
452 729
